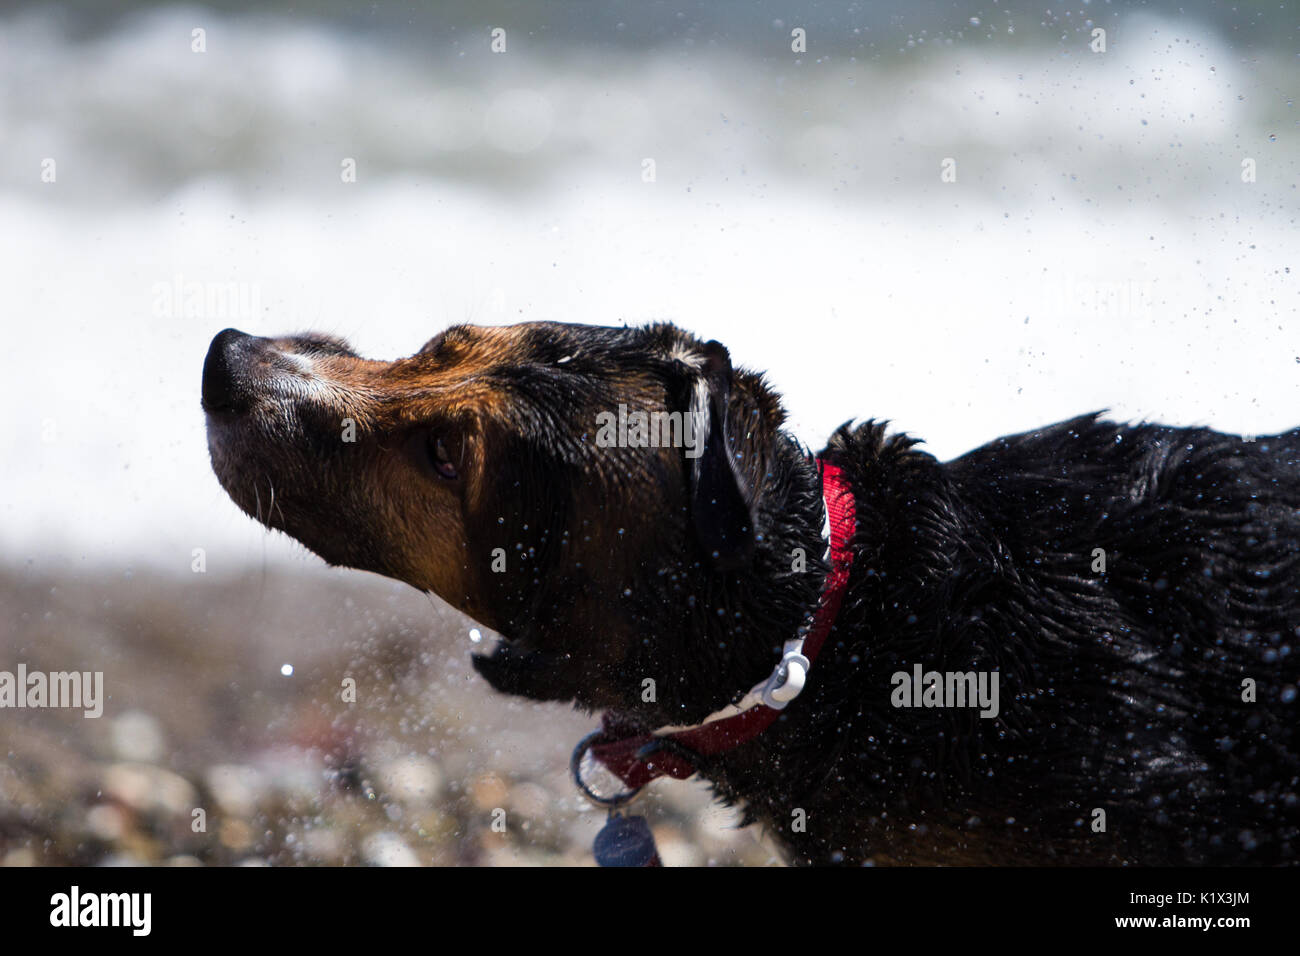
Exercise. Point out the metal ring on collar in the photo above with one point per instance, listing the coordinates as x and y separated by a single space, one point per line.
575 767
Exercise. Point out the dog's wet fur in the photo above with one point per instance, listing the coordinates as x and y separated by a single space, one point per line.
1124 689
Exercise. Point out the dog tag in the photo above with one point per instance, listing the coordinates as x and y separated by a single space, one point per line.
626 841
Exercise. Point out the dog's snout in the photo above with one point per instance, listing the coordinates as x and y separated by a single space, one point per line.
226 372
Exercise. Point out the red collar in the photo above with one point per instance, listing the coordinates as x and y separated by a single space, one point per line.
637 758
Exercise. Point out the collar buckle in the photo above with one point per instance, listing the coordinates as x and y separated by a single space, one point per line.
787 678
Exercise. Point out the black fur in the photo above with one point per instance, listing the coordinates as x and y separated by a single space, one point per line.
1121 690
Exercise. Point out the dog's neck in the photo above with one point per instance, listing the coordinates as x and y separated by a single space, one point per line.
636 758
740 622
731 625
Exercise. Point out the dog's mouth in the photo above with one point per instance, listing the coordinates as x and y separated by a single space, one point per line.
268 399
238 397
513 669
271 418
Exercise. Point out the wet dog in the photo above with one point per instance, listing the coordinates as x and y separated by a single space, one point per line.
1074 645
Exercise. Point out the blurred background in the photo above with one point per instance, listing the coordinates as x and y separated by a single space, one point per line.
968 218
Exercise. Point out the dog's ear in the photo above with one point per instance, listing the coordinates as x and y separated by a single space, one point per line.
722 510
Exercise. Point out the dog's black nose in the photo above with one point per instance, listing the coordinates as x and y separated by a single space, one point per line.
226 372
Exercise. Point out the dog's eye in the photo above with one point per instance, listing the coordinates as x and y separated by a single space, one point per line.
439 457
437 450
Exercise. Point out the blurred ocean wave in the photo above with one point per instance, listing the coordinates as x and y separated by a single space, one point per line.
275 103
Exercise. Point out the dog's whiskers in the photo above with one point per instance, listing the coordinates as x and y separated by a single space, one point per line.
273 506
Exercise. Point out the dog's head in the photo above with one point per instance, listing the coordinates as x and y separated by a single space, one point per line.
582 491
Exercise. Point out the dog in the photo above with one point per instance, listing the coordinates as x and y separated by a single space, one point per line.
1121 603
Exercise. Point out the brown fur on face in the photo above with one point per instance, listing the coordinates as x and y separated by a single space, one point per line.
321 449
541 535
